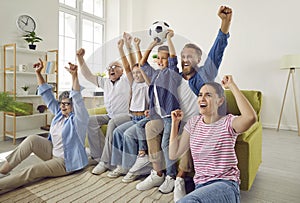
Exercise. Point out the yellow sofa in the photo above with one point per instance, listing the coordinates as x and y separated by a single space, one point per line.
248 145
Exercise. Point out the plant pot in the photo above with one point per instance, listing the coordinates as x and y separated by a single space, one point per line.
32 46
41 108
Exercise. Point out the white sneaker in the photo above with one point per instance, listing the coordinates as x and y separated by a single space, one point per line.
141 162
116 173
179 189
167 186
129 177
4 175
153 180
100 168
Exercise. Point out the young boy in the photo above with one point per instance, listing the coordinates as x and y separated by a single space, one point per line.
196 77
163 99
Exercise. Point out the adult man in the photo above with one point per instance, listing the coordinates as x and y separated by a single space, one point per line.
116 100
196 76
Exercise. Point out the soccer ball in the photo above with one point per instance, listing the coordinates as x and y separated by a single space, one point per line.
158 30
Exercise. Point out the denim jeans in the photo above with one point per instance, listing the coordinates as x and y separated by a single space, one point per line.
221 191
141 133
124 151
171 168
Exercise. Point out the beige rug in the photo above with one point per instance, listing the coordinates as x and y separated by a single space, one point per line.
84 187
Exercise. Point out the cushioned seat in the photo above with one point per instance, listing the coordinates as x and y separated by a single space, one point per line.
248 145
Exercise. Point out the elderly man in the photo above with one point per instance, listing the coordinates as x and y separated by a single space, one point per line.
116 100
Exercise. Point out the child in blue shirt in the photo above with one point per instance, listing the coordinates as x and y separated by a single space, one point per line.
163 98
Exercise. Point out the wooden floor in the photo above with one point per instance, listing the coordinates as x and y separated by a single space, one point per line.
278 179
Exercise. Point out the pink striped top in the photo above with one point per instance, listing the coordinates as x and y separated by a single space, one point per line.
212 148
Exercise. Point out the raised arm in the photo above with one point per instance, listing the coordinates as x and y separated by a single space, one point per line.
172 51
128 43
225 13
177 147
38 68
248 115
73 70
147 52
84 68
125 61
211 66
44 89
137 42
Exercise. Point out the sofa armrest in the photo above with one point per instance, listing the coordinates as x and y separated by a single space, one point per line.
245 135
96 111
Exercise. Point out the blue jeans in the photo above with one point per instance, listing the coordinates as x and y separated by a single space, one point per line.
221 191
141 133
124 151
171 168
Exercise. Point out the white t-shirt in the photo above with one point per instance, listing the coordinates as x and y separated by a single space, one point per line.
56 137
139 97
187 100
116 95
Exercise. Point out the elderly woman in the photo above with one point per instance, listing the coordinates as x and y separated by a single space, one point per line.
63 152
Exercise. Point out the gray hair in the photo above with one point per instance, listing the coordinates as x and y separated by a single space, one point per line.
64 95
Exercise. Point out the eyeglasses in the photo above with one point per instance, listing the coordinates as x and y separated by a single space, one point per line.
64 103
112 67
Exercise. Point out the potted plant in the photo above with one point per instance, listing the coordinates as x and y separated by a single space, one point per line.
31 38
8 104
25 88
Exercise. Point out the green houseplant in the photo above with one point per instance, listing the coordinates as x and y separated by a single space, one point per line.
32 38
8 104
25 88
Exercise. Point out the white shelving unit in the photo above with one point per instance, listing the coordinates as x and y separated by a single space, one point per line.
15 126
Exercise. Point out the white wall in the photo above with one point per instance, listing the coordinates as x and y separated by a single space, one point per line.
261 32
45 13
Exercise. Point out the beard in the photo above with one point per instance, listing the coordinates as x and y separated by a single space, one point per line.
188 70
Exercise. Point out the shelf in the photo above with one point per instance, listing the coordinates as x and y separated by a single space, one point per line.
27 73
26 51
22 73
28 116
26 133
28 96
13 55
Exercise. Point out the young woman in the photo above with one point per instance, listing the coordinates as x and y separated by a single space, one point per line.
211 138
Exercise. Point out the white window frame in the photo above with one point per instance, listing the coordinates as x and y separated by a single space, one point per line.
80 15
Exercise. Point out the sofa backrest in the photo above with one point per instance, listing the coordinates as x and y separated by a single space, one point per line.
253 96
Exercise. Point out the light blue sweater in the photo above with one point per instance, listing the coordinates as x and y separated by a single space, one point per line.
74 129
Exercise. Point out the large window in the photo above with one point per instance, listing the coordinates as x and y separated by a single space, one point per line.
81 24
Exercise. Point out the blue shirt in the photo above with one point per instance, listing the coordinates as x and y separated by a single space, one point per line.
74 129
166 81
209 71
